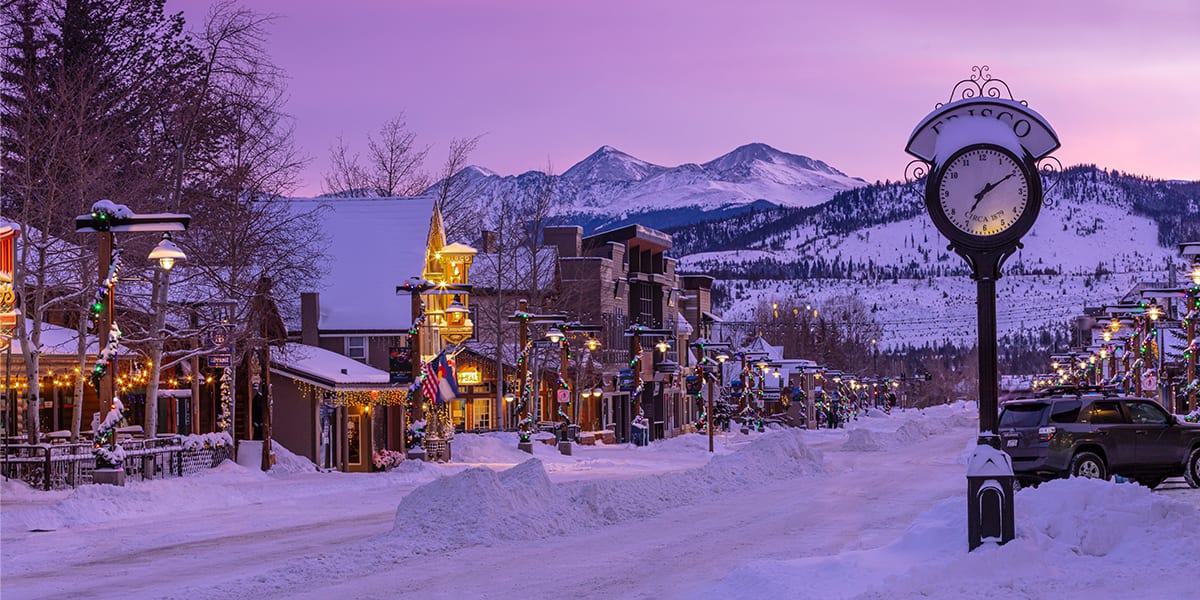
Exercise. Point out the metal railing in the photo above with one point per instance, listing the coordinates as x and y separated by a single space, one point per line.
69 465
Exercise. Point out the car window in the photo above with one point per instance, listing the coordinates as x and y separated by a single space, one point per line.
1022 414
1146 412
1065 412
1105 413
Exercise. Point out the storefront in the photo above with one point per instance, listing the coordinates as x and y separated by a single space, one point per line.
332 409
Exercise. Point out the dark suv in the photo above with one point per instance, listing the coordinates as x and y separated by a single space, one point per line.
1094 435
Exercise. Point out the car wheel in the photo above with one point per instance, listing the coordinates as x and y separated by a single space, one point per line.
1193 468
1088 464
1150 481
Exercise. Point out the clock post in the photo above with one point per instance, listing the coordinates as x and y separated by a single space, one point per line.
980 154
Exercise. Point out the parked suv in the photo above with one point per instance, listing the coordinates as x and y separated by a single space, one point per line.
1095 435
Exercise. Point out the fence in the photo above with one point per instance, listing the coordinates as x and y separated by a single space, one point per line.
64 465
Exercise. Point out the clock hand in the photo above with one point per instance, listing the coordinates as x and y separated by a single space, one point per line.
986 188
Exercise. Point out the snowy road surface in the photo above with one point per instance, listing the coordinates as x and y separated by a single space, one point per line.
877 511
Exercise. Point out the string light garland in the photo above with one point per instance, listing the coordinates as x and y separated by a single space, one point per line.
103 295
379 397
108 453
224 422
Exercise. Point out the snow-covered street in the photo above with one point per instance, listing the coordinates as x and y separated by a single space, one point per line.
874 511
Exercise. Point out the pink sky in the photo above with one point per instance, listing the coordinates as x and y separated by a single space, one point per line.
671 82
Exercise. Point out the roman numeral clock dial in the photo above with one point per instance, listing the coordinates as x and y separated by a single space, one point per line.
983 190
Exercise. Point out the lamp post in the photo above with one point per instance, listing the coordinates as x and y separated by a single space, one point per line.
718 350
106 219
636 332
450 321
561 334
1191 314
525 421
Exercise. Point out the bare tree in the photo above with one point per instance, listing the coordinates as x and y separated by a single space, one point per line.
395 161
536 208
345 178
79 79
394 165
236 158
457 192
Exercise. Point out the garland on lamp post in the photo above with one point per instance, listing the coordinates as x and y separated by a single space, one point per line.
109 454
224 423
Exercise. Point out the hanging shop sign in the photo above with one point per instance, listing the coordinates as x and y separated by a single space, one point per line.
469 376
221 341
400 365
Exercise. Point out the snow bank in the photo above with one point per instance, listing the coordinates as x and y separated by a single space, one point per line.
1073 535
288 462
481 506
915 428
96 504
487 448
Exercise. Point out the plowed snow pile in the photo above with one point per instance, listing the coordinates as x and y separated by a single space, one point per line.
1139 539
480 506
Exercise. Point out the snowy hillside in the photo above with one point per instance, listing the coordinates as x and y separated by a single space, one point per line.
611 188
1102 234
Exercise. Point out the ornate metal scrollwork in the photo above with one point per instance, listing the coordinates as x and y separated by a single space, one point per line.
1050 168
916 170
981 83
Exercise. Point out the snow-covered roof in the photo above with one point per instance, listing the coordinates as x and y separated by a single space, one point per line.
325 368
517 264
682 326
56 341
374 245
759 345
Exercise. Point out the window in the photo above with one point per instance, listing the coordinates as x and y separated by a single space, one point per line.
1066 412
483 413
1147 413
1022 415
1105 413
356 348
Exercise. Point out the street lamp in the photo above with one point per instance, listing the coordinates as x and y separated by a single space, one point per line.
525 424
106 219
451 323
167 253
635 363
719 348
560 334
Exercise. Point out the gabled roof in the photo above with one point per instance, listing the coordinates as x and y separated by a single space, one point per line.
375 244
760 345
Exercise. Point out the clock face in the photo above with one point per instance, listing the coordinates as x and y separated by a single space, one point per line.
983 190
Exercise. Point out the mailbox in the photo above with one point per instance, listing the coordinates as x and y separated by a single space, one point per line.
989 497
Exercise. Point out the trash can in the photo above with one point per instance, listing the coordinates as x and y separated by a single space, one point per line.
638 435
989 497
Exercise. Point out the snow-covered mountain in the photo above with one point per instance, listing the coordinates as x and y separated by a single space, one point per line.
1102 233
772 226
610 188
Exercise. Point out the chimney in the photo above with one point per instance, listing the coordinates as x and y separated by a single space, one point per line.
567 238
488 241
310 318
